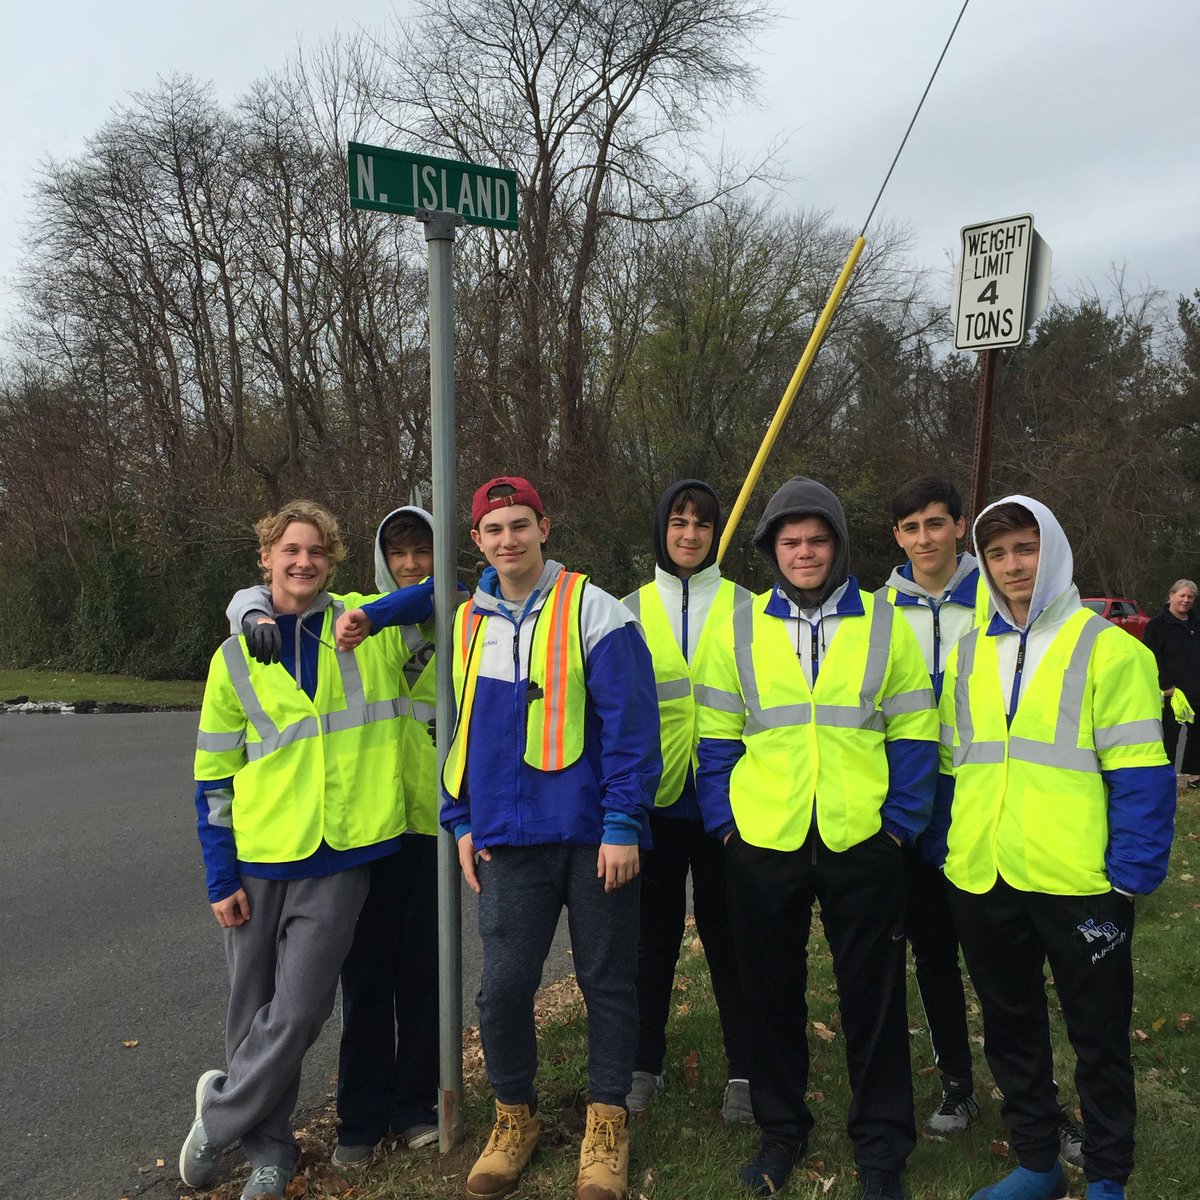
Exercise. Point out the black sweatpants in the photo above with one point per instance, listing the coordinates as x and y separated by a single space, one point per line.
929 925
1007 938
861 891
388 1059
679 845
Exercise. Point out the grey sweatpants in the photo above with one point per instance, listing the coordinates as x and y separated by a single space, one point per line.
283 973
523 891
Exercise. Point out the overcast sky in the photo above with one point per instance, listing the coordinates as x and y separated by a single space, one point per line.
1082 112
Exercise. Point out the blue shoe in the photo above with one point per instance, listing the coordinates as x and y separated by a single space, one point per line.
1105 1189
767 1172
1024 1184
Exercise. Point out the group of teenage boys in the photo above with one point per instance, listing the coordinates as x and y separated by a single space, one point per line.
970 747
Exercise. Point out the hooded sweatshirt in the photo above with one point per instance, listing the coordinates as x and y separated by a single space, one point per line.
1141 800
816 622
938 621
687 603
813 625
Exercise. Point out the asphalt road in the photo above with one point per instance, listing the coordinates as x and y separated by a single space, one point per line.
107 938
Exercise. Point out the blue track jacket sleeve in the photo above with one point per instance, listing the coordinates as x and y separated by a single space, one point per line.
933 843
405 606
214 823
620 683
912 775
1141 824
718 757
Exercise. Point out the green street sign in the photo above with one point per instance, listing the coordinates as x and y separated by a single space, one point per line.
397 182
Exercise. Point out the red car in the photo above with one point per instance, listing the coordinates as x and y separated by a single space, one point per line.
1128 614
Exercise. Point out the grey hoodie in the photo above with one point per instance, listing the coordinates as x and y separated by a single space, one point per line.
798 498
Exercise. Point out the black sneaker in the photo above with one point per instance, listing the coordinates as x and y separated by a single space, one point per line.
955 1113
881 1185
767 1172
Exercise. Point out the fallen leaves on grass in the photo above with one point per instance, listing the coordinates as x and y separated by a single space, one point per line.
691 1068
823 1031
130 1043
999 1148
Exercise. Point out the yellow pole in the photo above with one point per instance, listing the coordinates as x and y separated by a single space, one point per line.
789 396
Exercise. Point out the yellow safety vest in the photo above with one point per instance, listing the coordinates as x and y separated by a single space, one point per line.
1030 802
825 743
306 770
421 798
673 678
557 689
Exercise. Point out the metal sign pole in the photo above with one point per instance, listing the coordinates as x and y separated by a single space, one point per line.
981 462
439 234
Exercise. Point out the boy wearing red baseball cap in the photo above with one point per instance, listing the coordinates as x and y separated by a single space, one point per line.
548 784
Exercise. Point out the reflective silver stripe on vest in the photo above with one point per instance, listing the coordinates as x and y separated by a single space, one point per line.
1064 751
220 807
879 648
1049 754
423 711
1129 733
633 602
719 699
962 691
781 716
356 714
365 714
220 743
969 751
986 754
946 735
918 700
864 715
850 716
352 684
673 689
239 676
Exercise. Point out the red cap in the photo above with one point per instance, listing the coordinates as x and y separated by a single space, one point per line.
524 494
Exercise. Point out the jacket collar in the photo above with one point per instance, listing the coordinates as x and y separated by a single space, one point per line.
845 601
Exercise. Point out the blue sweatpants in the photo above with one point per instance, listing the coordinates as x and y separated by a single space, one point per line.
524 888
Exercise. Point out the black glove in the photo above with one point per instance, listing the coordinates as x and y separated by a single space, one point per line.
262 638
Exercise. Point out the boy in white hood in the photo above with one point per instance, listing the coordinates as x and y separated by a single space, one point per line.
388 1057
1055 807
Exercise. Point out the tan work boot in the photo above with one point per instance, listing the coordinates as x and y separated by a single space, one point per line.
604 1155
510 1147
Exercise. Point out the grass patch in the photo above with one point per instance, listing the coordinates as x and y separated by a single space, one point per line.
73 686
682 1150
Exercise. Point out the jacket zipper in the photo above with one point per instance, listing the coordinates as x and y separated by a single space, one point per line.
520 711
683 617
1016 687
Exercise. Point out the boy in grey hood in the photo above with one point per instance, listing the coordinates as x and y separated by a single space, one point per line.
388 1057
816 762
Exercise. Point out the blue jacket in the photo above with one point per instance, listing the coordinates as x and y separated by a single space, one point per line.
608 793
